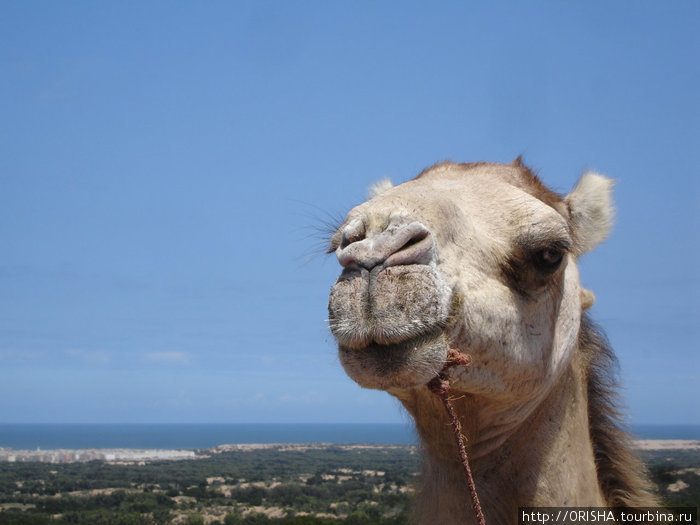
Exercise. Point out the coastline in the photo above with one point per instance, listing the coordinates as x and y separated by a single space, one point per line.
199 436
666 444
143 456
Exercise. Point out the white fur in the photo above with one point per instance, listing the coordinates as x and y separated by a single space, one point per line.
591 207
379 187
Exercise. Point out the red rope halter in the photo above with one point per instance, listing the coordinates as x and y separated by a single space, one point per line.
440 386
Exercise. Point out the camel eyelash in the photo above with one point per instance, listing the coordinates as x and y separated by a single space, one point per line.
533 262
534 242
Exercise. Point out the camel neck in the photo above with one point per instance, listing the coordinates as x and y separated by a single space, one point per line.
520 455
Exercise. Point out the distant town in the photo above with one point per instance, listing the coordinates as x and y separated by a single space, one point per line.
100 454
127 455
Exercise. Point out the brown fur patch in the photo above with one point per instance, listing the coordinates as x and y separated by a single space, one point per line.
531 183
621 475
524 178
518 162
445 163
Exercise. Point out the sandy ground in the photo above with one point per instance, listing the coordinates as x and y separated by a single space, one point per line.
641 444
666 444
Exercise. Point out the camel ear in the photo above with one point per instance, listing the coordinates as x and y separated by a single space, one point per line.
591 211
379 187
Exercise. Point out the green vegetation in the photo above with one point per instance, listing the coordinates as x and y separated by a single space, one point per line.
676 474
319 485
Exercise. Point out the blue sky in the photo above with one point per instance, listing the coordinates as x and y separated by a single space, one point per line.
165 169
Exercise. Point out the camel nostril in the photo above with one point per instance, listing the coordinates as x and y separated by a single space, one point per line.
353 232
399 244
347 240
413 240
418 249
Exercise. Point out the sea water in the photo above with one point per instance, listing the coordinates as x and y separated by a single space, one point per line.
195 436
199 436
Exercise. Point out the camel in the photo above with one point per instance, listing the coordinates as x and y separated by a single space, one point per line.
482 258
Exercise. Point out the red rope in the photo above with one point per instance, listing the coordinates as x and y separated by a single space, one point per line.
440 386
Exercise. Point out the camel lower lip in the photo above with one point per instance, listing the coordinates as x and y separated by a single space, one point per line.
405 364
401 346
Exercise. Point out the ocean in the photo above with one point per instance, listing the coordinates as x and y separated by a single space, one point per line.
195 436
200 436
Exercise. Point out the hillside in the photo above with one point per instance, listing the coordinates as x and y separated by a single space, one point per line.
256 485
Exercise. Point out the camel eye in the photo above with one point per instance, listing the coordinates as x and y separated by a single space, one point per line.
533 263
548 259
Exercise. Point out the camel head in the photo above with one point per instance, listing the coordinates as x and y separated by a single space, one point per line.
481 258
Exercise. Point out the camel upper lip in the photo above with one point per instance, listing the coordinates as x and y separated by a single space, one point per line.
390 308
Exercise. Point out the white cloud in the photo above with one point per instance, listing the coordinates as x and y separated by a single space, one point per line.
307 398
90 356
167 357
14 356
